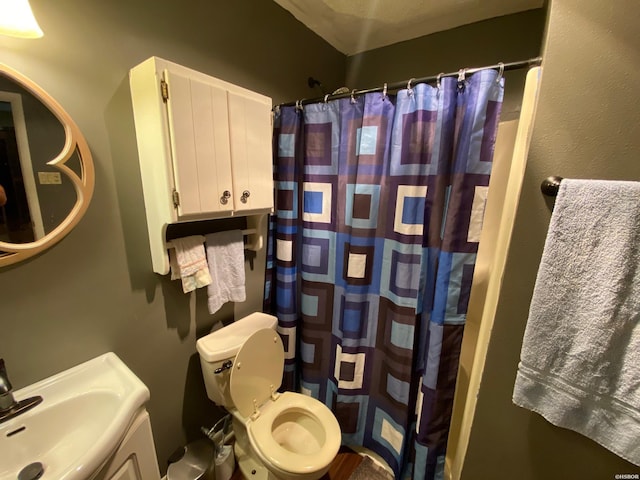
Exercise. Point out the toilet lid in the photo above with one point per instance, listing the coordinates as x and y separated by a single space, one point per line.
257 369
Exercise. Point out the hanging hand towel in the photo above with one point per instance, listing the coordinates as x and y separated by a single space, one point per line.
580 361
189 263
225 254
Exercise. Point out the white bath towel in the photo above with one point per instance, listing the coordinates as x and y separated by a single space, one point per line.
225 254
189 262
580 361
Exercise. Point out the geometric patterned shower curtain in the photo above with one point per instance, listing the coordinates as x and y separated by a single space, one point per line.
379 206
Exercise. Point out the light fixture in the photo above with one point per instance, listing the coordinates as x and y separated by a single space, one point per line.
17 20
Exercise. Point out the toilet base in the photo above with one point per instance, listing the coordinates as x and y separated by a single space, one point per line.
250 468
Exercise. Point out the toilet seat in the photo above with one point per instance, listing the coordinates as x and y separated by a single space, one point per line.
257 372
312 453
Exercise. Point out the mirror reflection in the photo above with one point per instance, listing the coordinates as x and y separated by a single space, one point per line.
46 171
38 197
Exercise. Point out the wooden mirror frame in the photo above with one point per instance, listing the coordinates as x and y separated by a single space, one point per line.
74 141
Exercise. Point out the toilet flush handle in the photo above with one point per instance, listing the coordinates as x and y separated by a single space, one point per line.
225 366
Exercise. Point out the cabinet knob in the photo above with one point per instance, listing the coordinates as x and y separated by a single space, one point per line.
244 196
226 195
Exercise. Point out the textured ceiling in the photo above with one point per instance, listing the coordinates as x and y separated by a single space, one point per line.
354 26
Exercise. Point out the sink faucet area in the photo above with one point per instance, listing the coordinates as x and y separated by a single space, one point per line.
78 421
9 407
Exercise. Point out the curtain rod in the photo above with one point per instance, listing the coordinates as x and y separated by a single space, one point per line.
532 62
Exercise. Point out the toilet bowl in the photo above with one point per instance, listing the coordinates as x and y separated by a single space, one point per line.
286 436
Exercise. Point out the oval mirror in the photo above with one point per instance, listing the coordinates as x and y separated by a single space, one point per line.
46 170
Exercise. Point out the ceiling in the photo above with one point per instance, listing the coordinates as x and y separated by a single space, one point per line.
354 26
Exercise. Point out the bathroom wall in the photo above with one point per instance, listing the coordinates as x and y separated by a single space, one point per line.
95 291
586 127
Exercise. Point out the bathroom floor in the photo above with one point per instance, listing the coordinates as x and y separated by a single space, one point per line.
341 469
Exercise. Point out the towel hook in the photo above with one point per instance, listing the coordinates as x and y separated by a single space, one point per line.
551 185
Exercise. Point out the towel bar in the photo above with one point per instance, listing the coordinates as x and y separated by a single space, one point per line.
248 231
550 186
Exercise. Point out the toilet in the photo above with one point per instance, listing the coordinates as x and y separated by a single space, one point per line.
286 436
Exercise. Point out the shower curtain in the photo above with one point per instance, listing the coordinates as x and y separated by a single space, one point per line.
379 207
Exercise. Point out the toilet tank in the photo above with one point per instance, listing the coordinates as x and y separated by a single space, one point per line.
221 346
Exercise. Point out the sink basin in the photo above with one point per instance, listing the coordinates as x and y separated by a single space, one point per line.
82 419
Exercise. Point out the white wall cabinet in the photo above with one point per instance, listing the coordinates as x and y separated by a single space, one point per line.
204 146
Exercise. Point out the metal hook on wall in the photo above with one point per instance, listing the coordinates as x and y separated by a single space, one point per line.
312 82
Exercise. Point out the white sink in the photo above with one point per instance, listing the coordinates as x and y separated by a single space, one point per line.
82 419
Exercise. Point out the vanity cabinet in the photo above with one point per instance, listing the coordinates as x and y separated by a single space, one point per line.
204 146
128 471
135 458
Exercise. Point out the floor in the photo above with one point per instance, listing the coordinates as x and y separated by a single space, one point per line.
341 469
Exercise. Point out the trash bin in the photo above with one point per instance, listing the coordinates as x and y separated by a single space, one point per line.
194 461
205 459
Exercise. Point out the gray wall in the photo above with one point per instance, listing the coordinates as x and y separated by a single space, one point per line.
95 291
586 127
503 39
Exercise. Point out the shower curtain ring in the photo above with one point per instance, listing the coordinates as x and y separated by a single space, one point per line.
384 91
353 99
462 73
409 89
500 72
299 106
438 80
326 98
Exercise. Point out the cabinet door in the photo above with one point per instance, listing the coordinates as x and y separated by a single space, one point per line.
199 132
251 159
128 471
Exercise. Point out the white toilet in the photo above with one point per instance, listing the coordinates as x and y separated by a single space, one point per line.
285 436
